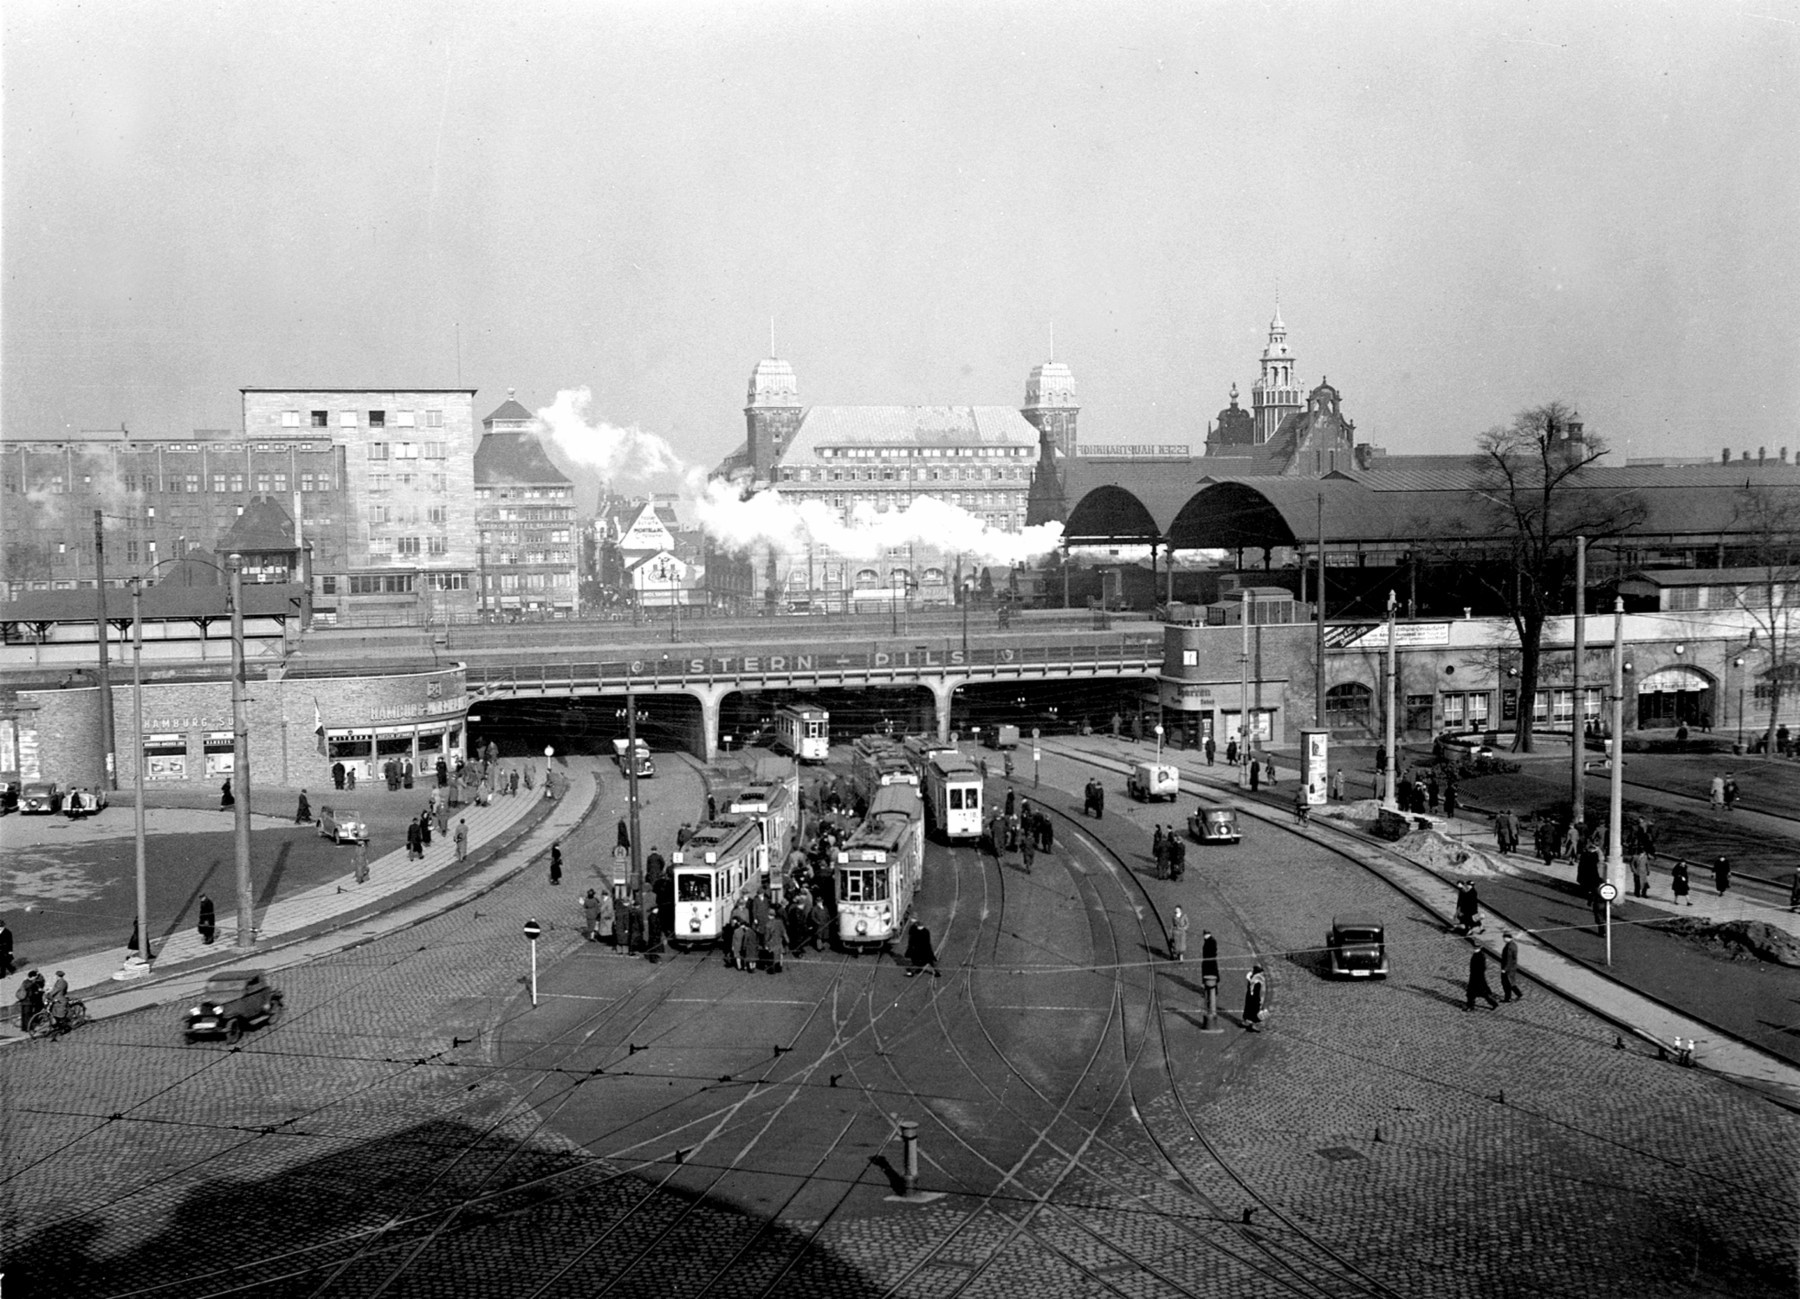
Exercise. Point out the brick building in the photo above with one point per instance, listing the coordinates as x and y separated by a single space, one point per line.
529 556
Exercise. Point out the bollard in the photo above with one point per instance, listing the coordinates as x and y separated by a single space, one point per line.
909 1157
1209 1018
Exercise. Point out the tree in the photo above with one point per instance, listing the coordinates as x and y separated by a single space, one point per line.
1531 500
1769 519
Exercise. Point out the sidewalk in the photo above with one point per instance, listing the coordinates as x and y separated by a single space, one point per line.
1643 1016
324 919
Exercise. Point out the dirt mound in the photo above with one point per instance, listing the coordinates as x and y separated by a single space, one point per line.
1439 851
1739 940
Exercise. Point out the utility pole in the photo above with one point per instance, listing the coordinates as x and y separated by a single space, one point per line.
1577 735
640 888
240 759
1615 816
1319 593
1244 758
108 742
1388 801
137 765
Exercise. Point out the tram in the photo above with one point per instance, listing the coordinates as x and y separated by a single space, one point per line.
879 869
803 731
878 760
775 805
919 750
953 796
721 864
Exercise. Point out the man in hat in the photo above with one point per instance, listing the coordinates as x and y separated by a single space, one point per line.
1509 969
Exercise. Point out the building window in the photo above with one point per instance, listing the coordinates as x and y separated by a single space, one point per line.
328 586
439 482
378 419
434 419
193 482
407 545
131 552
440 545
438 514
381 514
262 483
306 482
290 419
218 482
434 450
281 483
406 451
378 482
378 451
321 419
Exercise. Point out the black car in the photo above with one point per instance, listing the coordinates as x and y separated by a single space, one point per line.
1357 948
232 1003
41 797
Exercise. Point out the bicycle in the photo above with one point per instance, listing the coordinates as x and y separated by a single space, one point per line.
46 1023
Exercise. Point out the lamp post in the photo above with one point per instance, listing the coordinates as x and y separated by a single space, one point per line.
1615 817
1738 663
137 765
1244 696
240 759
1388 801
1159 735
968 591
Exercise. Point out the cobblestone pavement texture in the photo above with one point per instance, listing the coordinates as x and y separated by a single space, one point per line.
414 1127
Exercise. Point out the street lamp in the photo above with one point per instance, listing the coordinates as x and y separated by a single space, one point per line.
1738 663
968 592
1159 735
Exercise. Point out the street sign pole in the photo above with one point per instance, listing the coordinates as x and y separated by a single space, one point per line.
532 930
1608 892
1037 754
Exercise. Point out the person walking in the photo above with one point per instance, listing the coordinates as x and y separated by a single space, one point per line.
415 847
208 924
462 839
1716 793
22 1000
425 827
1640 874
1509 970
743 939
556 863
337 775
1450 800
1156 847
6 949
1478 982
919 952
227 800
1255 775
362 861
1178 935
624 836
1211 748
1256 987
1731 793
443 816
1027 853
1231 752
1337 785
774 940
821 925
303 811
590 910
1721 876
1269 771
350 779
1678 882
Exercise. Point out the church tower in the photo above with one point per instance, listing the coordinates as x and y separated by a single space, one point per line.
1051 409
772 416
1275 395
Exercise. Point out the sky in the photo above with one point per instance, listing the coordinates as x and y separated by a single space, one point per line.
1465 209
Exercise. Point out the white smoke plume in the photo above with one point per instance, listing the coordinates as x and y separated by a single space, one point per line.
766 518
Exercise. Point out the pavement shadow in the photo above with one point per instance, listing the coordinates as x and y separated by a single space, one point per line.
499 1234
1432 994
179 919
272 885
896 1182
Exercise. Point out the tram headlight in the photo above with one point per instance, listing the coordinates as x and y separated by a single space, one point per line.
862 926
693 924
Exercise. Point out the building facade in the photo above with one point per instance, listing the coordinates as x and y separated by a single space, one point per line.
528 556
883 458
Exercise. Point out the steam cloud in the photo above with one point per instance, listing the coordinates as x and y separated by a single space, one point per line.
767 518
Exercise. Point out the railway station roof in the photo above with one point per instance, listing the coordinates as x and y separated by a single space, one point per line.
1183 504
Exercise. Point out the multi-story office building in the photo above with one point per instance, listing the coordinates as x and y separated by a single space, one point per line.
981 458
529 555
403 544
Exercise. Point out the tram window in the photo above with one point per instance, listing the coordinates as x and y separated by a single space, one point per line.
955 800
694 888
973 794
865 886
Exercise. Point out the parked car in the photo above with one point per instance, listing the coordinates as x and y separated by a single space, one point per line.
232 1003
1214 825
9 797
84 802
41 798
1357 948
1004 736
342 827
1149 781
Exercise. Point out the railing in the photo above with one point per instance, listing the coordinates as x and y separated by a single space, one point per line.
864 663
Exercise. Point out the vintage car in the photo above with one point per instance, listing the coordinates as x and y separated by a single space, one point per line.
1149 781
231 1003
83 802
1003 736
1214 825
1356 948
342 827
41 798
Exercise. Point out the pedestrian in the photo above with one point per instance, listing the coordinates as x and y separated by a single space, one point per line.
821 925
1231 752
556 863
462 839
743 939
1450 800
1478 982
303 811
1337 785
443 817
512 782
919 952
1269 771
1716 795
1721 876
1211 748
1255 775
1731 793
415 848
774 940
590 910
1046 833
1156 848
350 779
362 861
1027 852
22 999
406 773
208 924
337 775
1256 987
6 949
624 837
443 772
1302 805
531 776
1176 847
1178 935
131 944
1640 874
603 919
1431 792
226 799
425 827
1678 882
1509 969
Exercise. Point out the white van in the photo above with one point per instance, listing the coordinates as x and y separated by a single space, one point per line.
1153 780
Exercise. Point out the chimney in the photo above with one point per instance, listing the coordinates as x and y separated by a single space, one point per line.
1725 456
1762 454
1784 455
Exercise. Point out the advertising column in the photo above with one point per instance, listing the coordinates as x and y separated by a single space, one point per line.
1315 749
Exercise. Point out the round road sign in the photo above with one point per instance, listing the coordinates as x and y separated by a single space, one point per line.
549 751
1036 733
1608 892
532 930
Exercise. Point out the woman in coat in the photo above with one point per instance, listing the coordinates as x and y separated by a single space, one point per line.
1255 992
1178 935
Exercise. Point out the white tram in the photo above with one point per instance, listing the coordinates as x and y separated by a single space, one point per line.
920 748
879 869
723 862
878 760
775 806
953 795
803 731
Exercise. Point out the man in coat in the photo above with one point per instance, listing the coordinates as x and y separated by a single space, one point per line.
209 922
6 949
1478 982
1256 986
919 952
1509 970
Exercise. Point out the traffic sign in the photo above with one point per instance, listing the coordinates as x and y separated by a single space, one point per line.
1037 733
532 930
1608 892
549 751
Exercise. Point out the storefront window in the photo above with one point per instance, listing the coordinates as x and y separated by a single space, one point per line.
220 760
165 757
